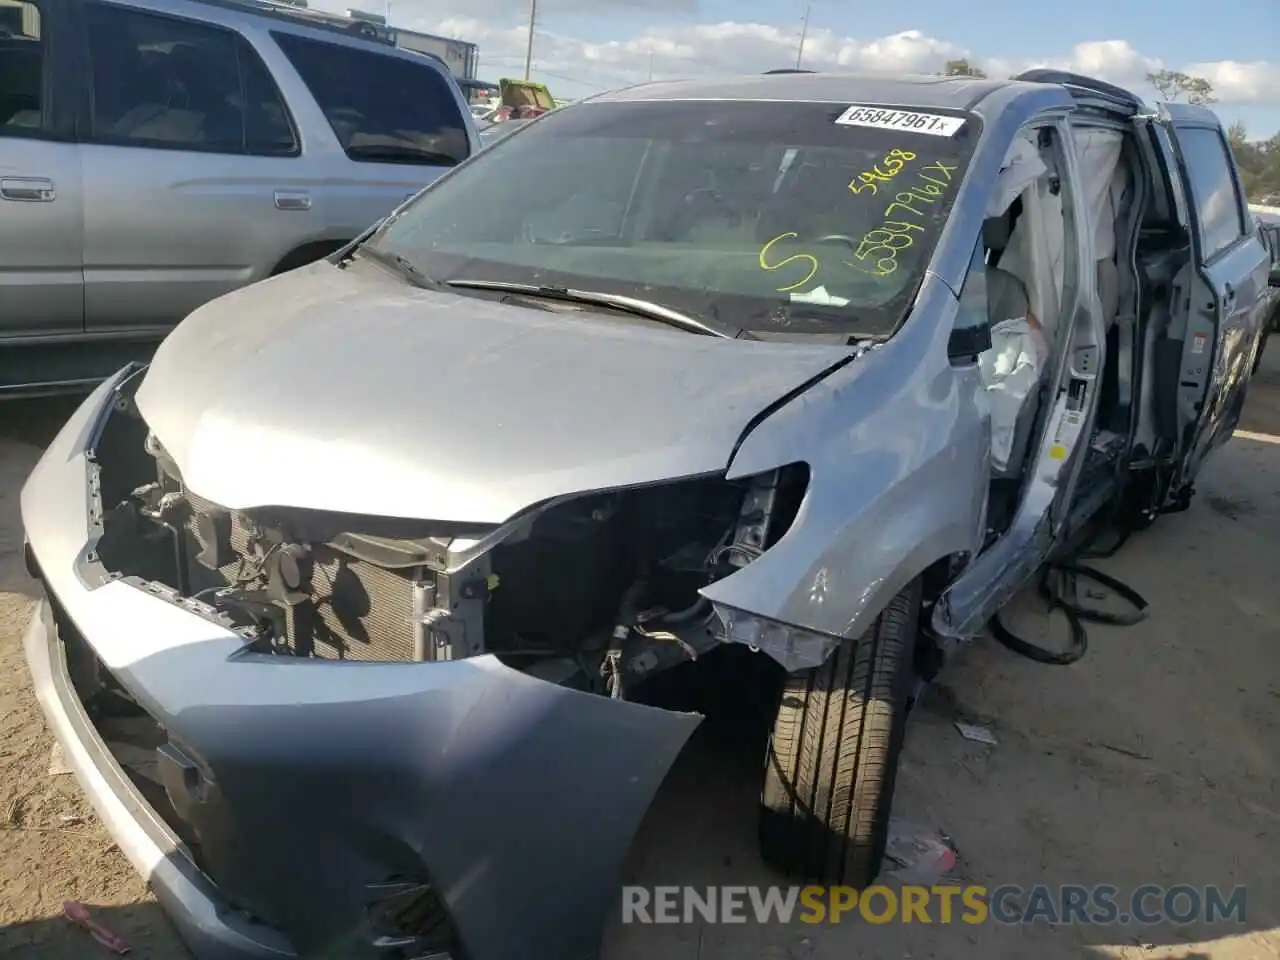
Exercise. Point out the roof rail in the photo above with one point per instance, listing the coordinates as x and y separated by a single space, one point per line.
1078 82
787 70
297 11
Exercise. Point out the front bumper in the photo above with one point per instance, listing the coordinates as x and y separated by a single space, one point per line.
314 785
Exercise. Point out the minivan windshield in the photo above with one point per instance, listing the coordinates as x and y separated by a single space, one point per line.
765 216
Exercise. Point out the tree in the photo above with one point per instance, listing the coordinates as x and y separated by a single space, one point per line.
1259 163
962 68
1172 84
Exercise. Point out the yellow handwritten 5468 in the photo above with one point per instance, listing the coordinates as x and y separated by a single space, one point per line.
893 162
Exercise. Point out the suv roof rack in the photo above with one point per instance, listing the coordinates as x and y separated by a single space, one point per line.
787 70
297 11
1078 82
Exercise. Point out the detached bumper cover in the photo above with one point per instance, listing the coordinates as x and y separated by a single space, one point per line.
309 783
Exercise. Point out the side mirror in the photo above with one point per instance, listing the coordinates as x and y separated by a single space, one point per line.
965 343
1273 279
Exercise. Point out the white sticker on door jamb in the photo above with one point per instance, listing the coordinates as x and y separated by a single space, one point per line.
908 121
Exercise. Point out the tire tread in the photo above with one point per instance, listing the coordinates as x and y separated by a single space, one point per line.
832 756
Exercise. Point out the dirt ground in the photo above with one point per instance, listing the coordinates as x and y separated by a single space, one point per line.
1156 759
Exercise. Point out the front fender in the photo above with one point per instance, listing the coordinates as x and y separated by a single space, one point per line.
898 448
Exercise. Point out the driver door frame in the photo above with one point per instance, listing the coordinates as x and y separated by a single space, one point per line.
1063 427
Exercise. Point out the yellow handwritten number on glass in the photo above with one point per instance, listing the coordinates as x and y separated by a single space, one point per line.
893 163
812 260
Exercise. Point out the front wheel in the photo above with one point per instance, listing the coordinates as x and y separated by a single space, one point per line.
833 755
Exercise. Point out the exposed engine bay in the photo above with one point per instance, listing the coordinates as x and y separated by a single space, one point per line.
596 591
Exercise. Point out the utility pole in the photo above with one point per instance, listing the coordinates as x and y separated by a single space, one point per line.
804 34
528 51
650 65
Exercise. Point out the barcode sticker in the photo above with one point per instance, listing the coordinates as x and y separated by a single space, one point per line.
908 121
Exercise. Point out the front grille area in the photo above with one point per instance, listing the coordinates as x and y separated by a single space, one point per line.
354 610
130 733
402 918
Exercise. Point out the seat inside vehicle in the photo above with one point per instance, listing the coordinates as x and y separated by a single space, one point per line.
1023 246
1026 236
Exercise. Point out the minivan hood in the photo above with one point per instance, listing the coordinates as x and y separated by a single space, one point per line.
346 390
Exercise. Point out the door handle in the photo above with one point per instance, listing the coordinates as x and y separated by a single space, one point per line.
28 189
293 200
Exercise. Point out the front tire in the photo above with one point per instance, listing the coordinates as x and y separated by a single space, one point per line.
833 754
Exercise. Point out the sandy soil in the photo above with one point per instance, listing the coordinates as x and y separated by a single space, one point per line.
1156 759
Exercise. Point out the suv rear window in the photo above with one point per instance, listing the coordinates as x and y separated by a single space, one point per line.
21 68
383 109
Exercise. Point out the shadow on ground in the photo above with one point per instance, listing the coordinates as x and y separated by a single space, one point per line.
35 422
142 926
26 426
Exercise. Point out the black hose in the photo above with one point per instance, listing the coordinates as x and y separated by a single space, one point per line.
1059 586
701 606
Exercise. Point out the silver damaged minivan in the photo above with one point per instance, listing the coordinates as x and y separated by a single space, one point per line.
385 550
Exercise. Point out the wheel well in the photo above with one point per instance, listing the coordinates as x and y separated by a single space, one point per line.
934 580
938 575
307 253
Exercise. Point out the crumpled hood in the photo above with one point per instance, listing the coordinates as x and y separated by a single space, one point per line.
346 390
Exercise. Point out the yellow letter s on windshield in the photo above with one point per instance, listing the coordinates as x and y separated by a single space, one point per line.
812 261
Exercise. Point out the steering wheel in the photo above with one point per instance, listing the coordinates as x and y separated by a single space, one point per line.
703 194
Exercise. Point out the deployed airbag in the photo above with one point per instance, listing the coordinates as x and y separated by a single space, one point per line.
1011 372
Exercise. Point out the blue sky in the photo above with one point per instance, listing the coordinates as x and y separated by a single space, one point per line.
601 43
1176 31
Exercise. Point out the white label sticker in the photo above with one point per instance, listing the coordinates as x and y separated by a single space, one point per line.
908 121
1198 343
820 297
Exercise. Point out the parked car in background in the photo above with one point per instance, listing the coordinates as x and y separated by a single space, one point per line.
522 100
1268 221
494 132
188 149
383 551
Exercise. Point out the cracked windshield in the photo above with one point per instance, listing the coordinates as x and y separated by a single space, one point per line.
820 217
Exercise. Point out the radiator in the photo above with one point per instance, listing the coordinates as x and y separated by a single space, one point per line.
361 611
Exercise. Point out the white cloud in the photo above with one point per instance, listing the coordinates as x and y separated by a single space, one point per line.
1257 82
687 49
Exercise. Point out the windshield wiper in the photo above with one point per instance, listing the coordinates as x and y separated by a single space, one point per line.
400 266
638 308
